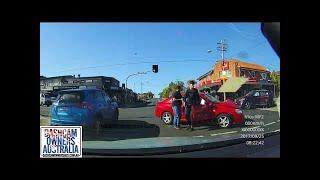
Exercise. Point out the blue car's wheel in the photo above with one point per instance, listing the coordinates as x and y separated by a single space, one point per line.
97 122
115 117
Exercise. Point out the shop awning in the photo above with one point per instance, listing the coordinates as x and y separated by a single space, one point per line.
232 84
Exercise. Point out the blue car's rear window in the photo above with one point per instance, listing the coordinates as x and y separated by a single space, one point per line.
71 97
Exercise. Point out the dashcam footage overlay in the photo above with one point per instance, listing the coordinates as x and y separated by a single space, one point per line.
158 89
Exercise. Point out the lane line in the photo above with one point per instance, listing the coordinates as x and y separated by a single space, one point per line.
270 123
198 136
254 127
223 133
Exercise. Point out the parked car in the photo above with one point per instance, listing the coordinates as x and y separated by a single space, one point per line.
45 99
86 107
53 98
255 98
210 109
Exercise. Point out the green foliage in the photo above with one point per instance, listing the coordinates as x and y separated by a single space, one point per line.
275 77
147 95
166 92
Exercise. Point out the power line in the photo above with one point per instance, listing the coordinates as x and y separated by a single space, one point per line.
128 63
151 62
243 33
251 47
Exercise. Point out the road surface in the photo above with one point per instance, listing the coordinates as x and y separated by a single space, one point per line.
140 122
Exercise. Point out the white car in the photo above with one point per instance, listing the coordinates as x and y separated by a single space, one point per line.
45 99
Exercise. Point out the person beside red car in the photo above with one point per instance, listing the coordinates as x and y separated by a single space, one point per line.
191 98
176 107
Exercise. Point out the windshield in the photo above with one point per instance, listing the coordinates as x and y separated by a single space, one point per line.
70 97
250 93
135 67
212 99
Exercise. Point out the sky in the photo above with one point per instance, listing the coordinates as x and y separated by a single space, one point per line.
120 49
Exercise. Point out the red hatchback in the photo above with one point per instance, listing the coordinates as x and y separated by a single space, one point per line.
210 109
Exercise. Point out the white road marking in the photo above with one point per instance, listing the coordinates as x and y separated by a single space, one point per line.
254 127
223 133
270 123
198 136
278 130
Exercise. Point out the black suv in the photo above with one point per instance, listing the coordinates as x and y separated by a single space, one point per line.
255 98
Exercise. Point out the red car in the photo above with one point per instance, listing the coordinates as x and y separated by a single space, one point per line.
210 109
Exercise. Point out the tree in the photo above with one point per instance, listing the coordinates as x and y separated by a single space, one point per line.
275 77
145 96
166 92
150 95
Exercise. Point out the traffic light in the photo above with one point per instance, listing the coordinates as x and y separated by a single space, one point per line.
155 68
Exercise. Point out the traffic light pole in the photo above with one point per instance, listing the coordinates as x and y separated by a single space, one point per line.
126 88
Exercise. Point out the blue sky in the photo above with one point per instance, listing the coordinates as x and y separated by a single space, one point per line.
102 49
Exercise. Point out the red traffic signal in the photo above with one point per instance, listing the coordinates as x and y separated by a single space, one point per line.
155 68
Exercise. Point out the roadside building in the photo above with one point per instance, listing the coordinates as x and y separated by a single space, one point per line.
110 85
245 77
50 84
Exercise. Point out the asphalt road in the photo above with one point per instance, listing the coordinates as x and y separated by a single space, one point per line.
140 122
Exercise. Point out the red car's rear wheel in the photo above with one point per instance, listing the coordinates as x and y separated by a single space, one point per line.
166 117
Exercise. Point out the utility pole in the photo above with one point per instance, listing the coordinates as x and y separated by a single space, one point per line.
141 87
126 88
222 47
154 69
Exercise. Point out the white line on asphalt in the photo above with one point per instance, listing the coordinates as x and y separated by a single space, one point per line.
223 133
198 136
255 127
270 123
276 130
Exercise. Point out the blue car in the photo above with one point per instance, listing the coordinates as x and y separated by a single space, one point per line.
86 107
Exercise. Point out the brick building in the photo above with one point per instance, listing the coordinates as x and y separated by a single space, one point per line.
257 76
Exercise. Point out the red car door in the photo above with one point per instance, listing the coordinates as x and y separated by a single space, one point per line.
201 112
206 113
196 113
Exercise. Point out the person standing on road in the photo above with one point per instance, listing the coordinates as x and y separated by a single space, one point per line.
176 107
191 98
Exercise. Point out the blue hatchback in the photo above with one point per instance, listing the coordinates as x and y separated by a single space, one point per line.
86 107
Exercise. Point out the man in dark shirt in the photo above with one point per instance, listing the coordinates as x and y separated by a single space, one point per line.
176 107
191 98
